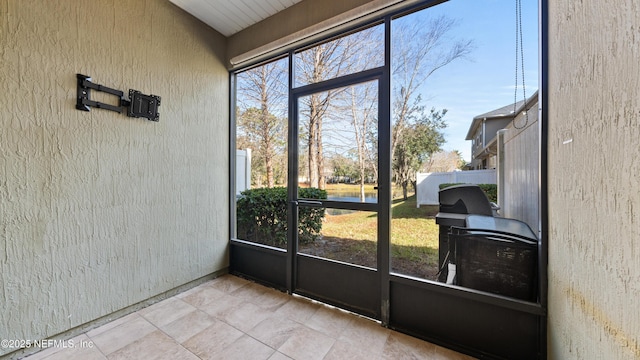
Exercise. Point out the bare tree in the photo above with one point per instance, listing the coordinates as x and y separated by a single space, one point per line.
444 161
325 61
261 91
315 65
264 132
364 108
419 50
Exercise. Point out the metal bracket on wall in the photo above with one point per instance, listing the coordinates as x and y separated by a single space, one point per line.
139 105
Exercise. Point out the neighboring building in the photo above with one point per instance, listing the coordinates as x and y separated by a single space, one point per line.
483 131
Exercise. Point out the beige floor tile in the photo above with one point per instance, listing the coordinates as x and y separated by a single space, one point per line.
271 299
344 350
298 309
241 320
330 321
366 334
244 348
447 354
155 306
307 344
187 326
245 316
156 345
168 311
186 293
249 292
279 356
79 347
211 340
112 324
43 353
202 295
78 354
122 335
400 346
274 331
221 307
227 283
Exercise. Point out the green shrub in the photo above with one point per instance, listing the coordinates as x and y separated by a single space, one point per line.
262 216
491 190
310 219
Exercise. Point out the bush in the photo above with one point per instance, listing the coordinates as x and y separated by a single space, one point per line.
262 216
310 219
491 190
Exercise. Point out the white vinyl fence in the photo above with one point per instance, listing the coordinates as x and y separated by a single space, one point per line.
243 170
428 184
518 174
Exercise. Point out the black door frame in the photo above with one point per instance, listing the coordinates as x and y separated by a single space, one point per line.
352 287
465 320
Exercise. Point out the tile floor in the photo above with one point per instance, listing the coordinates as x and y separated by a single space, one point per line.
232 318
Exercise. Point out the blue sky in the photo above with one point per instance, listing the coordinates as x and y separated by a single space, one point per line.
485 81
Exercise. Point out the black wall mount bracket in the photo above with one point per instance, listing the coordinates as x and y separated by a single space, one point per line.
139 105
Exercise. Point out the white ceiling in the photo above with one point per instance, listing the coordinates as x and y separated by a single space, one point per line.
230 16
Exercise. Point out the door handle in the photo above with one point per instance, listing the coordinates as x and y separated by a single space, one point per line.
309 203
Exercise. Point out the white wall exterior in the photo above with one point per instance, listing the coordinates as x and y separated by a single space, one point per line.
594 182
99 211
243 170
520 168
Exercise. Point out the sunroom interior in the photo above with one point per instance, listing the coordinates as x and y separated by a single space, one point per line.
104 214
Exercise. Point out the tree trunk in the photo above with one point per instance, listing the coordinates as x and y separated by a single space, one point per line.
322 182
362 197
404 189
312 142
268 163
266 136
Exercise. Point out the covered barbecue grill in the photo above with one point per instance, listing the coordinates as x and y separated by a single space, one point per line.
495 255
481 251
456 203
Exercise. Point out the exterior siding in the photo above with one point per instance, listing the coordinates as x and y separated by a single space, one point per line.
521 170
492 127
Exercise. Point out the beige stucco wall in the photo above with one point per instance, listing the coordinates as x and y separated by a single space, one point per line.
98 210
594 179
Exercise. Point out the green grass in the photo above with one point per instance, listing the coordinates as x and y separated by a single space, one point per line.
348 188
414 233
414 236
358 225
352 236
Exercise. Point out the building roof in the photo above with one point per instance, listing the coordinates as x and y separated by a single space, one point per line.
500 113
507 110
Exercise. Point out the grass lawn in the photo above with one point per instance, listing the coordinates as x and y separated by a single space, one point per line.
414 238
352 237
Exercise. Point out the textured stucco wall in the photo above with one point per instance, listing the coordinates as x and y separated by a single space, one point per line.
99 211
594 179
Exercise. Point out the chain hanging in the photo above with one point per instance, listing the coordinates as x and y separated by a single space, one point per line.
520 54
